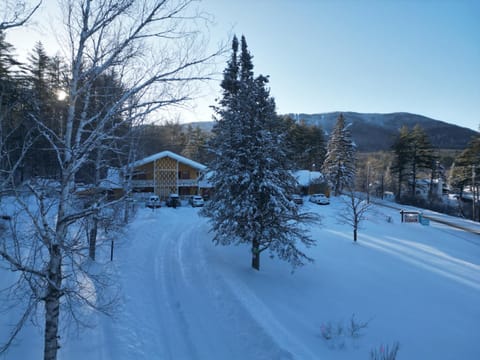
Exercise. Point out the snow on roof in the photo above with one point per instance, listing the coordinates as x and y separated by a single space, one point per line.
306 177
172 155
113 179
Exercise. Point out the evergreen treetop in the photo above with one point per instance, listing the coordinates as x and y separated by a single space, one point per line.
339 164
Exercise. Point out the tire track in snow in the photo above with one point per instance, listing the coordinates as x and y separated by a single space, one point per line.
175 329
138 332
200 307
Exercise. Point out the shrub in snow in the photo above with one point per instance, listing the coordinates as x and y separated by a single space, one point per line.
384 352
355 327
336 335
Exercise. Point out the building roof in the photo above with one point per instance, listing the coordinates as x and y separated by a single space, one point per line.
306 177
113 179
172 155
303 177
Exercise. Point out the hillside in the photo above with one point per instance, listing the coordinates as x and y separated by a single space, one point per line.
374 132
182 297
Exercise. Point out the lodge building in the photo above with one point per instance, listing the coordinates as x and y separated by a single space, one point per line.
165 173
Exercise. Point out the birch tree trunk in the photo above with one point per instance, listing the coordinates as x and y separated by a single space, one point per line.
52 304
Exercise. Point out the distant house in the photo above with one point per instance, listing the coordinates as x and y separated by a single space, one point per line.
422 188
163 173
310 182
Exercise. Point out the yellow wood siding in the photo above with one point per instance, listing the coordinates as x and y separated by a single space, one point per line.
192 173
166 176
146 169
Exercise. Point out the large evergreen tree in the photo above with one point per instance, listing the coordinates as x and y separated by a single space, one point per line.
14 134
252 183
401 149
195 146
421 155
306 143
43 105
466 173
413 154
339 164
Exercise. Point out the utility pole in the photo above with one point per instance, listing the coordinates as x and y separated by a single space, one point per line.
368 182
474 197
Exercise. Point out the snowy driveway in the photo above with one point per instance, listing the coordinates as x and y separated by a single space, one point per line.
184 298
179 305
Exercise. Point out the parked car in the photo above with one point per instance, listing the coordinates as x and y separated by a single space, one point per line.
320 199
196 200
173 200
297 199
153 202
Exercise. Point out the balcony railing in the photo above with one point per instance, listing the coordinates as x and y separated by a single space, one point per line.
187 182
151 183
142 183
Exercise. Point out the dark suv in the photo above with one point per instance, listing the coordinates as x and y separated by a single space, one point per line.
173 200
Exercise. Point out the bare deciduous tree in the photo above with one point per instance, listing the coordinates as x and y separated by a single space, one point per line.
155 48
16 13
354 212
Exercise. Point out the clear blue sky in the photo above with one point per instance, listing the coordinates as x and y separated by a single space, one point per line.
418 56
367 56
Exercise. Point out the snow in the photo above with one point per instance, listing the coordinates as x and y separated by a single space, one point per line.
172 155
306 177
184 298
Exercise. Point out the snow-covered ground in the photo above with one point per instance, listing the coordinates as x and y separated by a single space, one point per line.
184 298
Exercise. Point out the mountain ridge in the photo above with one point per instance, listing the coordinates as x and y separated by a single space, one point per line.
376 131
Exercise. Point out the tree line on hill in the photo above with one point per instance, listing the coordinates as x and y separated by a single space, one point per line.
68 120
411 159
31 91
375 132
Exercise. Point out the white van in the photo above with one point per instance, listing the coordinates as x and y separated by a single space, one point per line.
153 202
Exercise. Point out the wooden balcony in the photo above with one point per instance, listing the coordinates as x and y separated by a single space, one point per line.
150 183
142 183
187 182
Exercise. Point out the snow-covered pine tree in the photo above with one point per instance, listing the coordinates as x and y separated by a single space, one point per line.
251 204
413 153
401 161
339 164
422 155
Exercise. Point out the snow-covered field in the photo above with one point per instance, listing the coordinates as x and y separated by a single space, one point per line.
184 298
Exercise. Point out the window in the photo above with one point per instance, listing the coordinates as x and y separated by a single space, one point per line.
184 174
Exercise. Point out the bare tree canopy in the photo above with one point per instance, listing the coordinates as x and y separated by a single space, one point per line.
16 13
127 59
354 212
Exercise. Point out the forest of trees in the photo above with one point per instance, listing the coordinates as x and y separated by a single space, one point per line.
67 120
35 90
